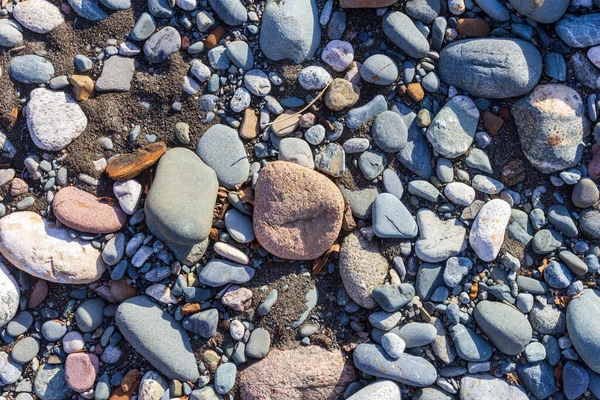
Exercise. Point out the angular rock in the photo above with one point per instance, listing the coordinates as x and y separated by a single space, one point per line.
126 166
439 240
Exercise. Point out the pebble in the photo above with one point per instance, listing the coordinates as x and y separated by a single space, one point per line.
220 272
88 9
232 12
391 219
9 295
381 389
478 387
162 44
357 116
53 330
389 132
25 350
81 370
487 234
50 383
580 327
257 82
203 324
459 193
89 315
314 78
297 151
393 345
506 327
258 344
379 69
338 55
439 239
128 193
401 30
39 16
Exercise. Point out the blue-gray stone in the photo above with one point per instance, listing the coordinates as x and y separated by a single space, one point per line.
494 9
372 163
584 329
552 349
546 241
415 155
424 190
358 116
431 82
531 285
537 378
30 69
290 30
19 324
408 369
25 350
574 263
158 337
225 377
102 389
240 54
423 10
594 384
203 323
181 199
431 393
51 384
590 223
429 278
456 269
88 9
162 44
438 31
393 297
160 8
547 12
391 219
53 330
222 149
506 327
482 386
417 334
337 25
491 68
469 345
557 275
89 315
559 216
221 272
360 201
392 183
555 66
239 226
144 27
579 31
389 132
575 380
232 12
401 30
379 69
116 4
10 33
258 344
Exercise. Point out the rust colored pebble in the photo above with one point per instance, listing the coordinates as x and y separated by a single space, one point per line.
190 308
473 27
514 172
84 212
415 91
130 381
213 37
127 166
249 126
492 122
185 43
83 86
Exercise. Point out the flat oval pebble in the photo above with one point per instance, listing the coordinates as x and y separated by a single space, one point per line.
505 326
40 248
39 16
162 44
391 219
583 330
487 234
83 211
220 272
10 33
379 390
81 370
379 69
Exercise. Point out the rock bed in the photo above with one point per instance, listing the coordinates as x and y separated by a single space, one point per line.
281 199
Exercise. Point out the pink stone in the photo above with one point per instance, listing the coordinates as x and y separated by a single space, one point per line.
594 165
38 294
353 74
338 54
81 370
297 374
307 120
84 212
237 298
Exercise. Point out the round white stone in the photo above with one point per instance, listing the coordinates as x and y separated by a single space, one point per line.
9 295
128 193
236 329
459 193
39 16
314 78
393 344
487 234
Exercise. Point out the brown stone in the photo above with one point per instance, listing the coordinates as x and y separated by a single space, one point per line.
18 187
120 290
190 308
473 27
286 123
302 373
366 3
402 89
211 360
307 120
249 126
514 172
297 211
415 91
127 166
492 122
130 381
84 212
213 37
38 294
83 87
341 94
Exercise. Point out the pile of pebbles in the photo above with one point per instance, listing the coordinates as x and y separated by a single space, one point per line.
427 169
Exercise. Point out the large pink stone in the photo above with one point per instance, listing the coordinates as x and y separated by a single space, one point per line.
84 212
297 211
301 373
81 370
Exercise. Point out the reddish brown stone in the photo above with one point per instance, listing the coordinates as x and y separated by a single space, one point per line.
185 43
18 187
366 3
301 373
213 37
83 86
297 211
121 291
84 212
127 166
81 370
249 126
190 308
415 91
130 381
473 27
38 294
492 122
513 172
594 165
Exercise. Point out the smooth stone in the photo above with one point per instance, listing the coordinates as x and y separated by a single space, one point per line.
487 233
456 269
408 369
362 268
452 130
424 190
537 378
50 383
160 8
559 216
259 343
88 9
575 264
459 193
439 239
585 193
128 193
89 315
290 30
314 78
576 380
10 33
239 226
507 328
116 4
379 69
232 12
423 10
144 27
203 324
9 295
479 387
469 345
379 390
297 151
53 330
429 278
152 386
585 71
431 393
546 13
551 127
218 273
547 319
41 249
360 201
391 219
225 377
81 370
392 183
531 285
116 75
162 44
495 9
401 30
372 163
358 116
415 155
257 83
222 150
25 350
491 68
389 132
393 297
181 199
417 334
338 55
583 330
589 223
39 16
579 31
240 54
158 337
54 119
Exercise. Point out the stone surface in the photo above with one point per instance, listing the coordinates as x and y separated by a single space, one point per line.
162 44
487 234
43 250
221 272
292 374
439 239
579 31
504 325
152 386
50 383
39 16
391 219
491 68
81 370
551 126
54 119
88 9
546 12
483 387
126 166
583 331
232 12
298 212
401 30
182 197
116 75
30 69
84 212
379 69
158 337
9 295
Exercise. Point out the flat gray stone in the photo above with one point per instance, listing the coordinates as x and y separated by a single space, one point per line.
116 75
